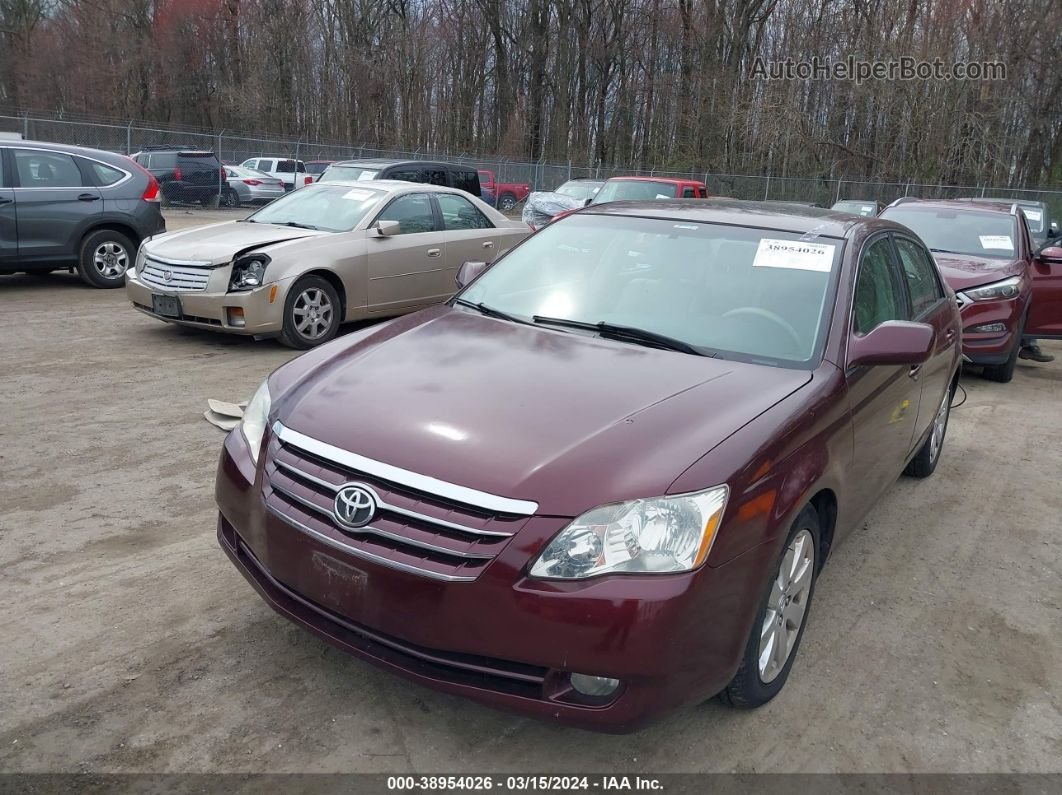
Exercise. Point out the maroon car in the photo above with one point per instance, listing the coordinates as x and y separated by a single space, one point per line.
599 483
1005 290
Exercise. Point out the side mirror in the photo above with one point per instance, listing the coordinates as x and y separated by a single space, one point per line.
387 228
468 272
1050 255
892 342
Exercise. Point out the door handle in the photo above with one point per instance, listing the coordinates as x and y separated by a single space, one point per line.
915 371
434 252
88 197
5 201
489 244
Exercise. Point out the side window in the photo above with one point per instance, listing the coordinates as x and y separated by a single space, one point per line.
407 175
689 193
468 181
285 166
104 174
878 293
46 169
266 165
413 213
921 276
435 176
458 213
300 167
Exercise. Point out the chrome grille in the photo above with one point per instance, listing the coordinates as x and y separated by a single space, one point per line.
415 529
175 277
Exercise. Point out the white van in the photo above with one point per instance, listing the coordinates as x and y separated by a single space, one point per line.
291 172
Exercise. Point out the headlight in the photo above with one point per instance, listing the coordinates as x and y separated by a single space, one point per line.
660 535
1008 288
248 272
255 417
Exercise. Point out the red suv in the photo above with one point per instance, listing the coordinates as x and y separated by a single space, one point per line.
1005 291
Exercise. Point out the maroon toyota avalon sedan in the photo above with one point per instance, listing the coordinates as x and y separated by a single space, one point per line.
599 482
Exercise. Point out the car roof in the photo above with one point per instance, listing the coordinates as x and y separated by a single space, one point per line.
736 212
86 151
1001 200
585 179
380 164
674 180
955 204
388 185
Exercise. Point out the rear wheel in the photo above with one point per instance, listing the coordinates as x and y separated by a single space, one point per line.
775 636
231 198
506 202
925 462
104 258
312 313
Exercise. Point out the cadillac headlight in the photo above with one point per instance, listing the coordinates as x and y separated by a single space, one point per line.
651 536
1008 288
248 272
255 417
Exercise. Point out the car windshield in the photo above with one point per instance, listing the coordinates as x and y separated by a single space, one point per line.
729 291
316 168
579 190
856 208
332 208
348 173
948 231
634 190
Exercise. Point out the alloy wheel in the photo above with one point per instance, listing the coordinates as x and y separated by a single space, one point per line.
940 425
786 605
110 259
312 313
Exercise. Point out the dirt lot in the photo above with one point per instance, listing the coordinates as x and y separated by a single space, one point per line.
129 643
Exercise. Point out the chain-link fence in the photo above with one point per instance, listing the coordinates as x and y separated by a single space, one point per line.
235 147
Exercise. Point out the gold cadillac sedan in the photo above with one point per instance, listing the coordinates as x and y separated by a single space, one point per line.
318 257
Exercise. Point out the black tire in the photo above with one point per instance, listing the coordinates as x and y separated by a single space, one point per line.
231 198
926 459
96 268
747 689
506 202
1003 373
305 287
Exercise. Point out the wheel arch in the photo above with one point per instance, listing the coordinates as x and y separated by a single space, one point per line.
333 279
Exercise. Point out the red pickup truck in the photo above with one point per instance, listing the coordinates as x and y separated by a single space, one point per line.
503 195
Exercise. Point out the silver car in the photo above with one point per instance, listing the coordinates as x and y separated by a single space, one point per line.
328 253
248 186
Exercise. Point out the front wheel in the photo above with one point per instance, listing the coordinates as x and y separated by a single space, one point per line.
1004 373
775 636
506 202
104 258
312 313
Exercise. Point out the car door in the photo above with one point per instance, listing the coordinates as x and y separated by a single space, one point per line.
930 304
8 223
407 269
883 398
470 235
1045 310
54 200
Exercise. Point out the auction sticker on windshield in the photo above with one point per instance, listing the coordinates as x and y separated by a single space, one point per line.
357 195
794 254
996 241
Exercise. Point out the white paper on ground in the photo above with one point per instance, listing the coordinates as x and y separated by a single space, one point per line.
795 255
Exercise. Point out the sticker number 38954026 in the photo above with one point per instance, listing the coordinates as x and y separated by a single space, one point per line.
795 255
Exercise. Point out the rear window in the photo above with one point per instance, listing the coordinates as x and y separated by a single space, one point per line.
349 172
198 160
162 160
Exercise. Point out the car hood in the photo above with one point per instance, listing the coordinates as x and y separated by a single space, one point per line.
219 243
566 420
962 271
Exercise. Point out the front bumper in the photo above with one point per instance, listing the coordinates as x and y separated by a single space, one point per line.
994 347
212 308
503 639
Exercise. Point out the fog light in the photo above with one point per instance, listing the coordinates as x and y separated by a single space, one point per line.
989 328
236 318
594 685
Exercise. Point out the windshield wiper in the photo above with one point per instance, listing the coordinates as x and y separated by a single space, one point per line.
943 251
298 226
628 333
489 311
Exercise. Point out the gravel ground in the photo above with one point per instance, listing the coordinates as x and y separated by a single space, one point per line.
130 644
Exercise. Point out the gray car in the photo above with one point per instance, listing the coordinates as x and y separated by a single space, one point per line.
71 207
249 186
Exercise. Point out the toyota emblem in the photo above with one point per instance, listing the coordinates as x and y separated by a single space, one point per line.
355 506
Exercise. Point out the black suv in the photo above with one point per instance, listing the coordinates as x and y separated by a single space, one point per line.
66 207
452 175
185 174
